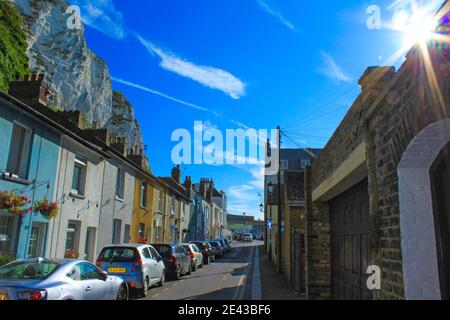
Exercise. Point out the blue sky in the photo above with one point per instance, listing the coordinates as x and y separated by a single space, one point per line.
260 63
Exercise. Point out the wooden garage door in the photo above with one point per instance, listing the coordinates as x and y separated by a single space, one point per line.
349 214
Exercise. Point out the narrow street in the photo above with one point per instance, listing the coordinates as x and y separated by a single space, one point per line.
228 278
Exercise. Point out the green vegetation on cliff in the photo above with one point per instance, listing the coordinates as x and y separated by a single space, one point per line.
13 45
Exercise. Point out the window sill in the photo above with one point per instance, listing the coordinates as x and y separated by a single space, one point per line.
8 176
76 196
120 199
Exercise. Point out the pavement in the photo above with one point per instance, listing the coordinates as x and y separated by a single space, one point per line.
242 274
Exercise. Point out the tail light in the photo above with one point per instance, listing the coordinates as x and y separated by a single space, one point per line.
137 264
172 259
191 254
33 295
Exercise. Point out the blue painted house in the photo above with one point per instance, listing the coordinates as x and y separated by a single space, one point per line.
29 153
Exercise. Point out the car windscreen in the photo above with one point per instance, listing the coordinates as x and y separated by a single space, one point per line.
119 254
188 249
200 245
163 250
28 270
215 244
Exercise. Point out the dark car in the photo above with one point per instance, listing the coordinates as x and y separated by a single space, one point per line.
206 250
175 258
223 244
227 243
217 248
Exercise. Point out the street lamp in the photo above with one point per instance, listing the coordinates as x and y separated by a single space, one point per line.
243 222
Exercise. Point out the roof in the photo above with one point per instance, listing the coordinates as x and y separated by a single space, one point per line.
175 186
63 125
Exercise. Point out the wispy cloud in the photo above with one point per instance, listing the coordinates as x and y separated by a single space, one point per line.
210 77
332 70
277 14
103 16
158 93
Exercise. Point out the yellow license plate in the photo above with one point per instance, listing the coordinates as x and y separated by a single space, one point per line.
3 297
117 270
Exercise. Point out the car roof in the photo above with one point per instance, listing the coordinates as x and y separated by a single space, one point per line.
129 245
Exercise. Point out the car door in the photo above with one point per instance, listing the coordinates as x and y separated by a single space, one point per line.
94 283
159 264
148 264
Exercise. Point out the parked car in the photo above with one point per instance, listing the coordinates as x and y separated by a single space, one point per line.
246 237
195 254
206 249
227 243
139 265
223 244
253 236
176 260
217 248
59 279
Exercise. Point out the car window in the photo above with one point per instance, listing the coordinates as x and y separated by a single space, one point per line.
89 272
153 252
23 270
194 246
164 251
187 248
74 274
121 254
146 253
180 250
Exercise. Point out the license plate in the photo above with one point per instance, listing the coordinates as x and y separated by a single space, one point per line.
117 270
3 297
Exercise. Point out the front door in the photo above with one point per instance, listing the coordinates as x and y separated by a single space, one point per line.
36 245
440 177
349 215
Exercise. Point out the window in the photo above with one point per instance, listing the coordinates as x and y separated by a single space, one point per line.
126 236
284 164
73 236
117 229
305 163
144 194
120 183
8 229
153 252
141 230
79 175
20 151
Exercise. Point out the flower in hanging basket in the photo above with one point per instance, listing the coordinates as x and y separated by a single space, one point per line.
71 254
48 209
13 202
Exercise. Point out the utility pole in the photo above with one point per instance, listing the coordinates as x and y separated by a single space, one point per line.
280 247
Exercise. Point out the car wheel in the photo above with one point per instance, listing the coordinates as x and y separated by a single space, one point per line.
144 292
201 265
163 279
194 267
123 293
177 274
189 271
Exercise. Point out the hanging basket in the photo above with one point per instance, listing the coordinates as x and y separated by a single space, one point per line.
13 202
49 209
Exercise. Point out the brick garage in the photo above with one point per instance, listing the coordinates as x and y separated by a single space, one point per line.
380 140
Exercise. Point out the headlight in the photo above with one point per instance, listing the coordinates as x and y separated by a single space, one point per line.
32 295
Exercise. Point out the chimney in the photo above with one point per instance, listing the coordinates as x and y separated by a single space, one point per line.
75 117
176 173
32 90
136 155
120 145
101 134
188 183
373 81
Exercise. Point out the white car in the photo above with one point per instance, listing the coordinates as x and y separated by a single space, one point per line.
247 237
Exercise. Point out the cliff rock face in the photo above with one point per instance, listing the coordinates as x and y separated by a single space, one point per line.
80 78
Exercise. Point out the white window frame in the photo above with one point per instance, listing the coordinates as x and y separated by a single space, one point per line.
305 163
120 183
79 160
20 161
284 164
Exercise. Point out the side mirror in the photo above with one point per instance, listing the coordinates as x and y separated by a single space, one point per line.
104 275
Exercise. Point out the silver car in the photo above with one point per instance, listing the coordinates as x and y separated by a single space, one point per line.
58 279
